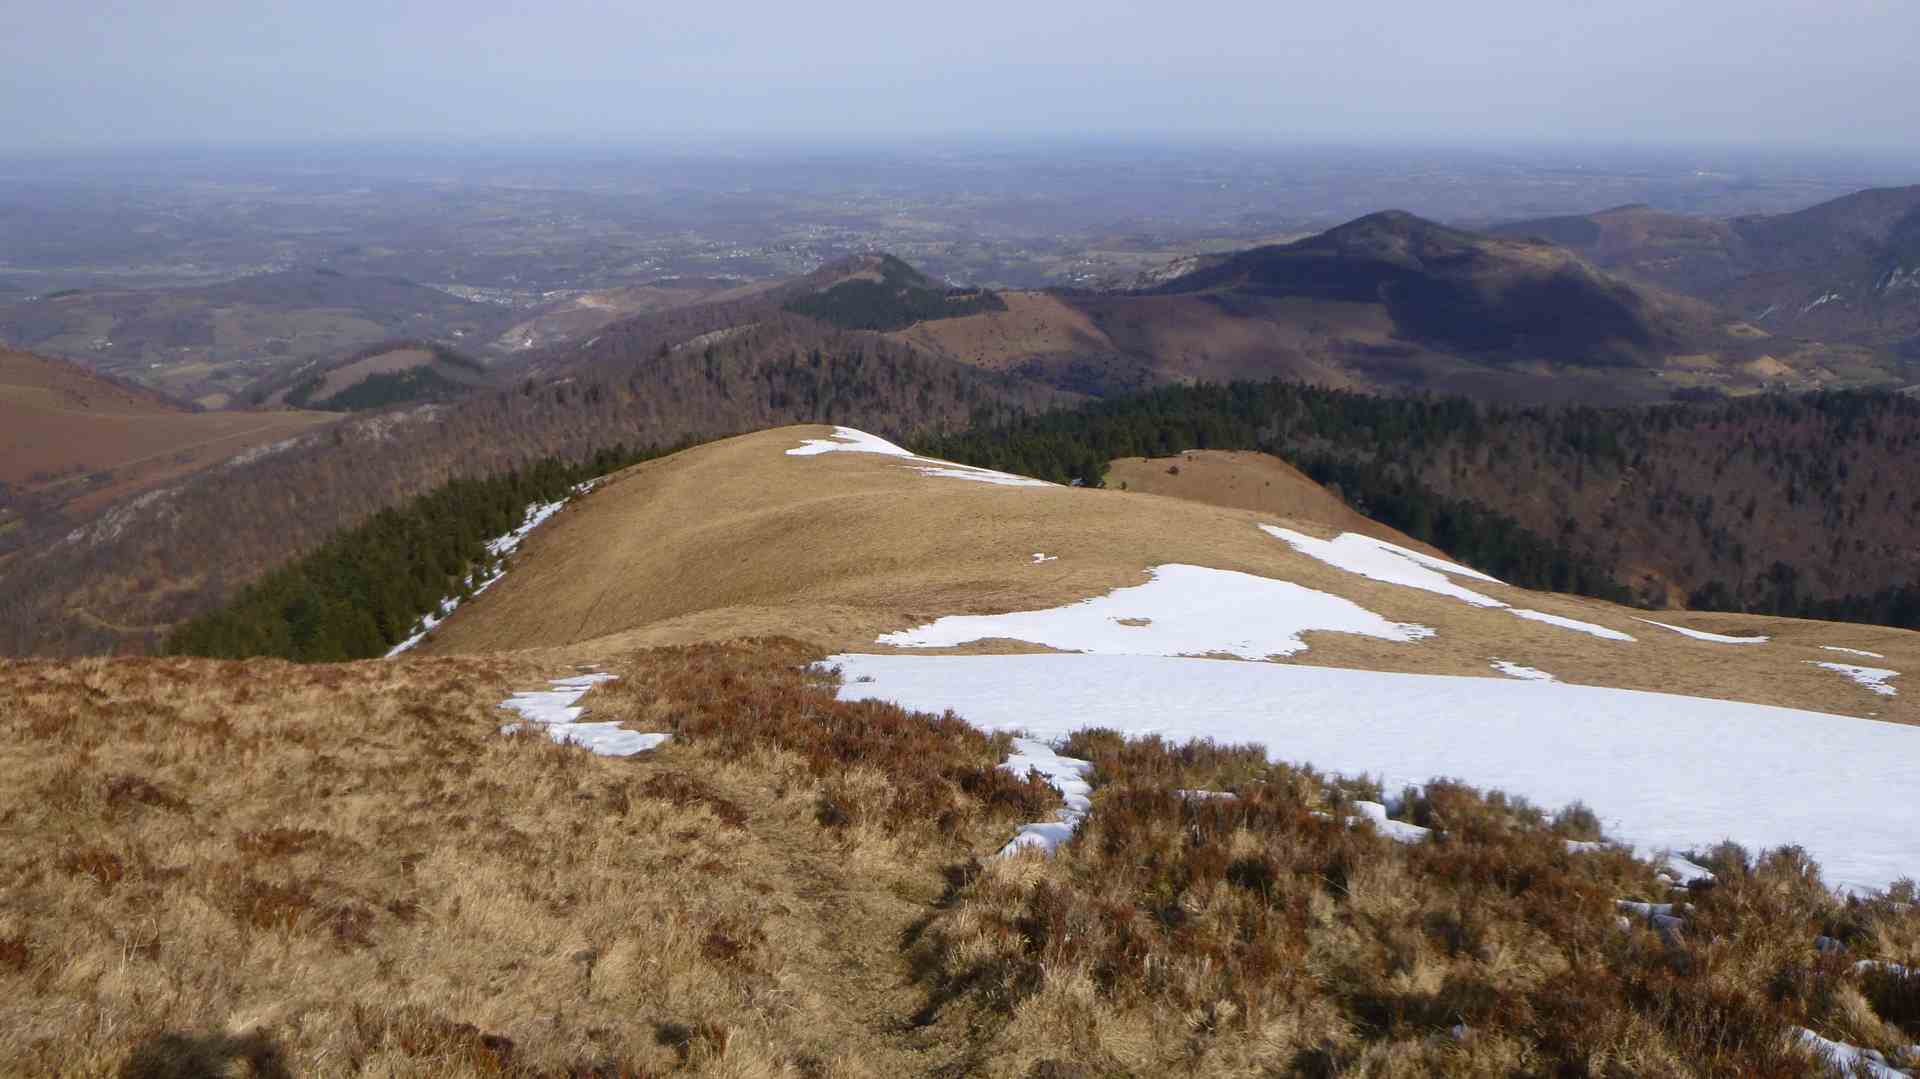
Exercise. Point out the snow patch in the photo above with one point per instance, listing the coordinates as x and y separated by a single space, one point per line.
849 440
1824 299
555 711
1667 773
1852 651
1397 830
1683 871
1379 560
1515 670
1039 558
1572 623
1066 775
1872 678
1183 611
1845 1059
981 475
1702 635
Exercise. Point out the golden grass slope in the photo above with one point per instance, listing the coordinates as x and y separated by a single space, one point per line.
737 538
59 424
1248 480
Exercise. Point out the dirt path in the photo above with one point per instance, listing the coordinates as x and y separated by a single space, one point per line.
851 950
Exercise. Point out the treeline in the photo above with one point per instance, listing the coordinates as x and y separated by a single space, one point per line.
361 592
1780 590
1321 432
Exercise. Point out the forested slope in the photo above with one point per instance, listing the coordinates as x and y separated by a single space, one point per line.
1789 505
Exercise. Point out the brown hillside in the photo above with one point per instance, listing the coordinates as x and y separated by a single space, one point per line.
74 442
739 538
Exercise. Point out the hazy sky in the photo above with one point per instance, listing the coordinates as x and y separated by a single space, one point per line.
1800 72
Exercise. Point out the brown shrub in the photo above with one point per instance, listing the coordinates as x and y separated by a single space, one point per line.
681 789
1262 932
745 697
124 789
172 1055
103 866
15 956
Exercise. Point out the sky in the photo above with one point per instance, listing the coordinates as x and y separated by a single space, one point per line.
1810 73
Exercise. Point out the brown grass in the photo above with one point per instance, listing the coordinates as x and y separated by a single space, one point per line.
737 539
258 868
263 869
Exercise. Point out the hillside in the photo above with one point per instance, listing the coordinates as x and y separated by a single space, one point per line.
209 342
73 442
1774 503
1391 302
883 293
578 318
1089 762
1253 481
869 544
1843 271
389 373
126 575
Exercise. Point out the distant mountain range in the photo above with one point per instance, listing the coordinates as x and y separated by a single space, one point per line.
1845 271
1392 302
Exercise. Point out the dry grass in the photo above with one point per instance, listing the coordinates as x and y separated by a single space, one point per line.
263 869
1248 480
737 539
347 869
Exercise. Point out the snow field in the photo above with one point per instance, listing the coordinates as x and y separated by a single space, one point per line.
1667 773
555 711
848 440
1183 611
